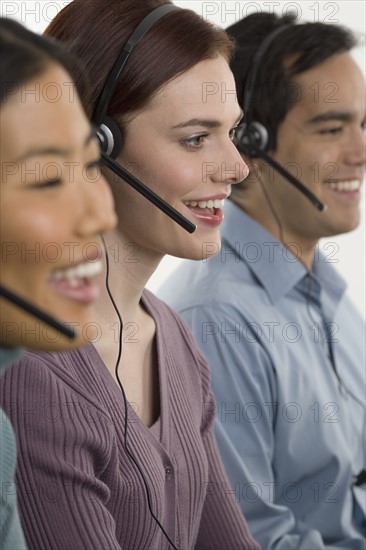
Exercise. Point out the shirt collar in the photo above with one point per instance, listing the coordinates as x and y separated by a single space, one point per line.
332 284
275 267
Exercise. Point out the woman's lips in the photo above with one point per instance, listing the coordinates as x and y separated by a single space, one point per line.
83 290
207 211
75 282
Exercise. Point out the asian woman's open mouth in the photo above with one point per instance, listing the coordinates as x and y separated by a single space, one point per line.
76 282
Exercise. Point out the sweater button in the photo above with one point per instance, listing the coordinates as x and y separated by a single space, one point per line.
168 472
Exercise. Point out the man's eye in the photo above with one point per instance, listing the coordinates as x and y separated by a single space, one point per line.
335 130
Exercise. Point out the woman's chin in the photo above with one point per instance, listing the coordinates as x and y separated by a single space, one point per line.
80 318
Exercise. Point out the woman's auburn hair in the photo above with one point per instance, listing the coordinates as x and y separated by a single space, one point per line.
96 30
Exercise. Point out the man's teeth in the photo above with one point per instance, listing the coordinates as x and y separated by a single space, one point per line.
353 185
218 203
87 269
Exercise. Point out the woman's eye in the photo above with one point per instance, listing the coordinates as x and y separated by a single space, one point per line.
195 142
47 184
233 134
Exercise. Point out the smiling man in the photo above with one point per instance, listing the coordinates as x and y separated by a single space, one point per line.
285 345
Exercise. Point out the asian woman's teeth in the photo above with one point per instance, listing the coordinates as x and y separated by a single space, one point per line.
218 203
76 282
81 271
352 185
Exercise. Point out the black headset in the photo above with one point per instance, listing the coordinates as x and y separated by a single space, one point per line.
111 142
253 139
253 135
108 131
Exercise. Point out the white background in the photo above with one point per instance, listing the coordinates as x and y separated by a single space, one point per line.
349 256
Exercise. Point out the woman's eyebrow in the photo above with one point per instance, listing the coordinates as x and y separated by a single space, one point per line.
207 123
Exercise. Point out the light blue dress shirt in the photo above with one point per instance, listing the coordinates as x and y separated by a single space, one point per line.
291 436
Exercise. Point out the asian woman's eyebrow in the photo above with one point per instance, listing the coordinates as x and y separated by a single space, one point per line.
55 151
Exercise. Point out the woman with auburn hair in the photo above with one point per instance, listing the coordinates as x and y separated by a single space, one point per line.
41 208
99 471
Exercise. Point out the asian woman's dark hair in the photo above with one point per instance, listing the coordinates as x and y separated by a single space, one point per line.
26 55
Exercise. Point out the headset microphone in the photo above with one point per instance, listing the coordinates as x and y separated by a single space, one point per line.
63 328
253 138
148 193
108 131
111 141
258 152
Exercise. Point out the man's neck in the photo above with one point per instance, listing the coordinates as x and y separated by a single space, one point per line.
298 245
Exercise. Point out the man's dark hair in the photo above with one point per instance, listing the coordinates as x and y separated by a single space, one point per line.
294 50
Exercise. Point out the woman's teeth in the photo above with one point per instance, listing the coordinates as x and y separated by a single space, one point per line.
218 203
72 274
353 185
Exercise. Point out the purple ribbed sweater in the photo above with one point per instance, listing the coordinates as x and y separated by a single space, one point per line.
77 487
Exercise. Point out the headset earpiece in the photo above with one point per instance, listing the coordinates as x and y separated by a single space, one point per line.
110 137
252 137
108 132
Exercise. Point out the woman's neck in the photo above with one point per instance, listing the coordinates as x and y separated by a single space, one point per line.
130 268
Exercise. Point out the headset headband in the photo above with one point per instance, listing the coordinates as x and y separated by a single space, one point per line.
252 76
253 136
142 28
